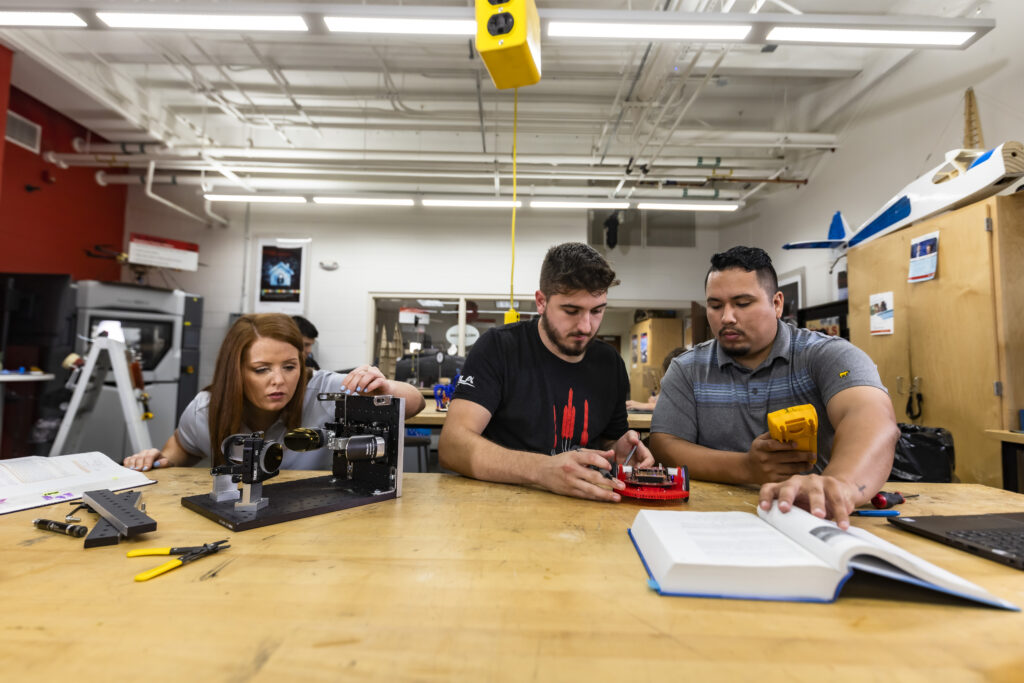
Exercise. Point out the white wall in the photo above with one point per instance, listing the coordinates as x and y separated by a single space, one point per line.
902 129
394 250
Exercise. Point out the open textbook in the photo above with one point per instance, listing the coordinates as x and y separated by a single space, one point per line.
34 481
776 556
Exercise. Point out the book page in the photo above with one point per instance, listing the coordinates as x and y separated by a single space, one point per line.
923 569
863 550
36 468
725 538
34 481
821 537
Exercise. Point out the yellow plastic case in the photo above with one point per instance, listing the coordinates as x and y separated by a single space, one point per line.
798 424
510 53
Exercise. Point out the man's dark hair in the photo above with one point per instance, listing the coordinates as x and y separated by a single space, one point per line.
573 267
750 259
306 328
678 351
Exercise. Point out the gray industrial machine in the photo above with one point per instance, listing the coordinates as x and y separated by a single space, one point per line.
162 327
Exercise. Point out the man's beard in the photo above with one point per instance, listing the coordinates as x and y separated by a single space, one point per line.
561 343
739 349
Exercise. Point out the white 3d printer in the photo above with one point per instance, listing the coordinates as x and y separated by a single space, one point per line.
162 326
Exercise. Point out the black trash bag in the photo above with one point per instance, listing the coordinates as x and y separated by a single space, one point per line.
923 454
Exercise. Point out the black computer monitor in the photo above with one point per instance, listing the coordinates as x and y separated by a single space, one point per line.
37 319
37 328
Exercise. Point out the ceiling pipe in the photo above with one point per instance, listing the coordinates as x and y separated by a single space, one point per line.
529 174
208 210
561 174
773 179
158 151
83 146
307 187
150 174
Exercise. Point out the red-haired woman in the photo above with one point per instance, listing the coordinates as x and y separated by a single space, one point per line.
261 383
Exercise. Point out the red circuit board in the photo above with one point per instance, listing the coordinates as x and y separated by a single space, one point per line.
655 483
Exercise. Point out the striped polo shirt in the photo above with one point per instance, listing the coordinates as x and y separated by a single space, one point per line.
709 399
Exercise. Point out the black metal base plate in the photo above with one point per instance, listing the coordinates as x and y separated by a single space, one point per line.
288 500
103 532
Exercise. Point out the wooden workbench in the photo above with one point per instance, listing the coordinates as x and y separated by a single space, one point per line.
464 580
1012 454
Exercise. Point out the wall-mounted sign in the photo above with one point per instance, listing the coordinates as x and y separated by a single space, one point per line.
452 335
146 250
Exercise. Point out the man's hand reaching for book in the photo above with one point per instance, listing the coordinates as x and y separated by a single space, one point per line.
823 496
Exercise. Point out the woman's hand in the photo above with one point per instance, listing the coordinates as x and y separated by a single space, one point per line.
146 460
171 455
366 380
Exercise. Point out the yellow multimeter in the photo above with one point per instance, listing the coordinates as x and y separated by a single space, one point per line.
797 424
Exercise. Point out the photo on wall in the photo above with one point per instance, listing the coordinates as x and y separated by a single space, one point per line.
281 269
792 287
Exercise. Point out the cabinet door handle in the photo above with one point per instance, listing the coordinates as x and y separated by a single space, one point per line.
899 384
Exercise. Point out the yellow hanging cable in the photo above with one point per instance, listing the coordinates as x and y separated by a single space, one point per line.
512 315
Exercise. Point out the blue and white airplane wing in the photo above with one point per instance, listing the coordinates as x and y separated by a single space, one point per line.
966 176
837 233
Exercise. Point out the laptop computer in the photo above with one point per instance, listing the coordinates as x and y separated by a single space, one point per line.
995 536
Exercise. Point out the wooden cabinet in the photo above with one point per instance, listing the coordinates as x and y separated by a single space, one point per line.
959 336
650 341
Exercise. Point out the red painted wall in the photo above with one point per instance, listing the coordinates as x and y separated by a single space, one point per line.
47 230
5 87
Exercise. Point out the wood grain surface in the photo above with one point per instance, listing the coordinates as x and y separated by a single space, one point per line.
465 580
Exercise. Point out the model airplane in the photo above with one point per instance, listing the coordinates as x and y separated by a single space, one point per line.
966 176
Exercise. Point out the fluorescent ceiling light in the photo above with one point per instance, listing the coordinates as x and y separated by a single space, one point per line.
59 19
864 36
661 31
474 203
543 204
364 201
203 22
255 198
407 25
293 240
689 206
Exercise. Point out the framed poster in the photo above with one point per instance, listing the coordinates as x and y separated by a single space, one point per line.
281 269
792 287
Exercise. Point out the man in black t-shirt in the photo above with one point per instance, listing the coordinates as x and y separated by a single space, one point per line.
537 402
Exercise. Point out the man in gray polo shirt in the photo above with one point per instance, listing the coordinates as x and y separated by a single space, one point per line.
711 414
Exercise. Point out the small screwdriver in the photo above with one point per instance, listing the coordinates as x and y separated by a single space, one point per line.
883 500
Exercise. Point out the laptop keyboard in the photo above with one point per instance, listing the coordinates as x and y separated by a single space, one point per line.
1005 542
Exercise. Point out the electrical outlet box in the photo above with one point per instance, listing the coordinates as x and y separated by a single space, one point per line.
508 40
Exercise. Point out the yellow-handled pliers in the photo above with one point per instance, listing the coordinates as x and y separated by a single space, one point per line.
187 555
